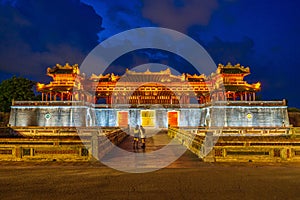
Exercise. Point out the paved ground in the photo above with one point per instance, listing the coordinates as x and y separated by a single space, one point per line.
187 178
153 157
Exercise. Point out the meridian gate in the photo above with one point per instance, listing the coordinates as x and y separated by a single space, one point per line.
154 99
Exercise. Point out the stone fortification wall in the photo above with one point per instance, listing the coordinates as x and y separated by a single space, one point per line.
48 114
219 114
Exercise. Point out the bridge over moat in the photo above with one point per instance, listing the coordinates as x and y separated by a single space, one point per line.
157 142
111 144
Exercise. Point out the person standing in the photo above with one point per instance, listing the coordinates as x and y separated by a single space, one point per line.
136 132
143 136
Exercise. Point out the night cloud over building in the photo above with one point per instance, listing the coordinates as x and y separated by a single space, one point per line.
263 35
179 14
37 34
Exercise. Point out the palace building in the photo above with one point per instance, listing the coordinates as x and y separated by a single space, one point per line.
154 99
227 83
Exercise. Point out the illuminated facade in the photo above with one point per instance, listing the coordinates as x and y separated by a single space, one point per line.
152 99
65 80
227 83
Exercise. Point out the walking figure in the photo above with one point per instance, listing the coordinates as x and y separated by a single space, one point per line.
136 133
143 136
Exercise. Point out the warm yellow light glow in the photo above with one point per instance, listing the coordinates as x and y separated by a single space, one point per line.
257 85
249 116
114 77
40 85
75 70
66 77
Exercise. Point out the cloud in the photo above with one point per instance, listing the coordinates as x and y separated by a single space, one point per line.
37 34
179 14
119 15
230 51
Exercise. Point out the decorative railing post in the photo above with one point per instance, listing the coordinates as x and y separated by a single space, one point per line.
94 142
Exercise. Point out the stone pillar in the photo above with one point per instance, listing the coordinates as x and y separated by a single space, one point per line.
284 102
18 152
207 148
253 96
94 142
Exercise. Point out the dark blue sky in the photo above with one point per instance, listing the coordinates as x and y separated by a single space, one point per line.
263 35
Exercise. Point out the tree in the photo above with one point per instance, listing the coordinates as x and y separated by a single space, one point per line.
15 88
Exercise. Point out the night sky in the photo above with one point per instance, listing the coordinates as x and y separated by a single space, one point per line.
261 34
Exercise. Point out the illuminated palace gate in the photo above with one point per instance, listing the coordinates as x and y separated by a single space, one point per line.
148 118
153 117
154 99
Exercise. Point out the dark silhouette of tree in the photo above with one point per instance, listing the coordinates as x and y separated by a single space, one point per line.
15 88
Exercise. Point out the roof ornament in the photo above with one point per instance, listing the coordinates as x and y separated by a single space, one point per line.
58 65
229 64
114 77
238 65
168 70
183 77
